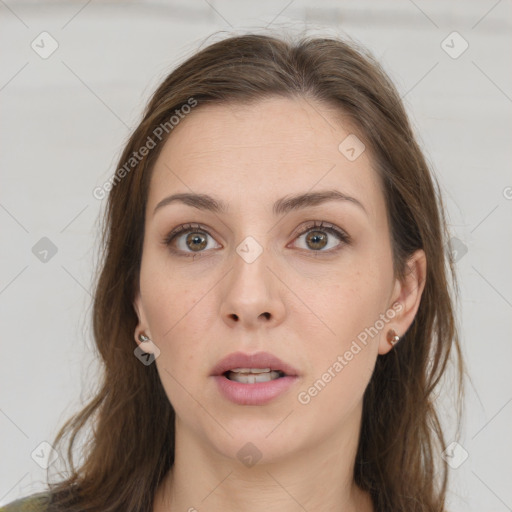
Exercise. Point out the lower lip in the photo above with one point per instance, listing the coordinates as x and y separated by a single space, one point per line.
253 394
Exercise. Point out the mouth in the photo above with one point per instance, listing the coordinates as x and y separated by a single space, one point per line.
253 368
253 379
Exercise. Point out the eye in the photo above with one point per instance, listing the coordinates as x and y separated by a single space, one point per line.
195 241
317 237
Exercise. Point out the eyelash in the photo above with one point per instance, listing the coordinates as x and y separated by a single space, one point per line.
344 238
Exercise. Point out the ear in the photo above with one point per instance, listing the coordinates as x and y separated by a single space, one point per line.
142 326
406 298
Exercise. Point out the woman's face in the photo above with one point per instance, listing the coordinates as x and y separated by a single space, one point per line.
264 276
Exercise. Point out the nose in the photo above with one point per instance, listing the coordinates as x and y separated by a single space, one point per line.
252 295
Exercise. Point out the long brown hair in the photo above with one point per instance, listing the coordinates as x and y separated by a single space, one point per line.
131 443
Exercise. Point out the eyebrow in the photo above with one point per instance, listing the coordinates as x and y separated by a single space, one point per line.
281 206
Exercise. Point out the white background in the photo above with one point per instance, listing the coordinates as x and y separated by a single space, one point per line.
64 121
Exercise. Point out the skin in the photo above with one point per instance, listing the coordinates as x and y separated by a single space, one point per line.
317 301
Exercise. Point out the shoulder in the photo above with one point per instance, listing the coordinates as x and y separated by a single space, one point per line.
34 503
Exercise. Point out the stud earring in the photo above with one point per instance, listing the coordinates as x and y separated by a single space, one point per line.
392 337
143 337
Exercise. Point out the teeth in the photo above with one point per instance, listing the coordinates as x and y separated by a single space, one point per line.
250 370
253 378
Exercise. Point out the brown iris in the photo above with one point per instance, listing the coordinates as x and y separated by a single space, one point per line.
318 239
198 241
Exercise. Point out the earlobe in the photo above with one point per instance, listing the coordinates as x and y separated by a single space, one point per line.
142 335
407 294
392 337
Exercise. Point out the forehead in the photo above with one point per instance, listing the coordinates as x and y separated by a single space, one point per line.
258 152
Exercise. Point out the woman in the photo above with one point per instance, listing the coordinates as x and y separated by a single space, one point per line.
274 309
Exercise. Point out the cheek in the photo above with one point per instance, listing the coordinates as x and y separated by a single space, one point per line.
169 298
341 351
177 320
176 311
341 338
343 301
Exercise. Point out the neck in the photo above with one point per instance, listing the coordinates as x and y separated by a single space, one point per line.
316 478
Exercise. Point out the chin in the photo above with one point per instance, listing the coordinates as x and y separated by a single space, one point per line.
263 441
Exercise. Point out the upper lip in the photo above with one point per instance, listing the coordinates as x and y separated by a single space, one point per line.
257 360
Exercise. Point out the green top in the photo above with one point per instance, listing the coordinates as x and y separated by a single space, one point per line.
34 503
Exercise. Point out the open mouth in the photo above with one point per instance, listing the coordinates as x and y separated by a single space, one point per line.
253 379
253 375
